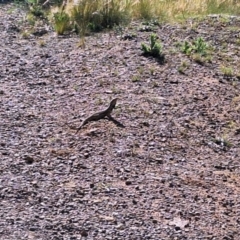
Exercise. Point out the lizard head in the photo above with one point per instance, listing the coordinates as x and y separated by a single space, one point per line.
113 102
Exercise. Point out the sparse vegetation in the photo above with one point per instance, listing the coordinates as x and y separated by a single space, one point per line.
36 10
176 138
144 9
82 15
200 46
140 70
31 19
183 66
25 34
198 50
198 58
61 21
152 71
92 15
96 15
197 46
114 12
42 43
238 41
186 48
135 78
226 71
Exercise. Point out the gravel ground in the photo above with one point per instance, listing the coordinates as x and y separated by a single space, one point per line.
171 173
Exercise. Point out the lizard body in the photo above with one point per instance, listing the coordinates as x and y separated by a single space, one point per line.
100 115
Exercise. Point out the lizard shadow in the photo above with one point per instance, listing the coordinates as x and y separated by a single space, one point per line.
116 122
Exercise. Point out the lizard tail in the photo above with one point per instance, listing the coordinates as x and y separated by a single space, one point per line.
78 129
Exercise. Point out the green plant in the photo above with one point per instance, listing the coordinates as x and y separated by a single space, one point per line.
35 7
200 46
61 21
198 58
95 23
96 15
186 48
197 46
208 58
226 71
31 19
115 12
198 50
36 10
82 15
155 47
183 66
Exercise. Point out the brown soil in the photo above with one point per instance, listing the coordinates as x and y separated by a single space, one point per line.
173 172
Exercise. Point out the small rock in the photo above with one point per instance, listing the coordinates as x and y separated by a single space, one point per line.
128 182
84 233
28 159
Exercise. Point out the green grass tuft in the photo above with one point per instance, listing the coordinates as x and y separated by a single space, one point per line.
154 49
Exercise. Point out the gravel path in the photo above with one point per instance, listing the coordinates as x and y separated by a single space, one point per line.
171 173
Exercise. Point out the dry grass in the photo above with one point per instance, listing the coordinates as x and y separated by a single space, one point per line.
99 14
169 10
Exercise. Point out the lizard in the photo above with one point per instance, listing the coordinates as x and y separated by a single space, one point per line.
100 115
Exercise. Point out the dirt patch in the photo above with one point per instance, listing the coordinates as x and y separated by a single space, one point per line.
171 173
